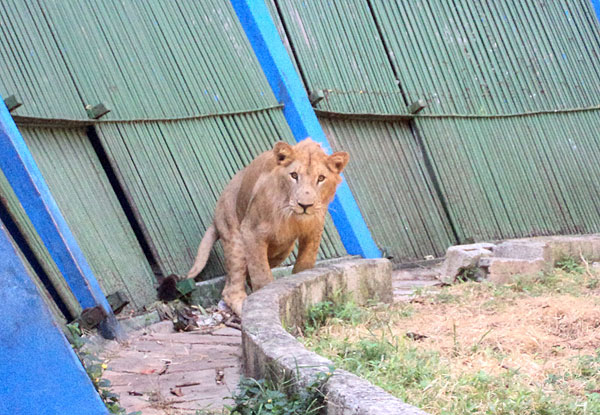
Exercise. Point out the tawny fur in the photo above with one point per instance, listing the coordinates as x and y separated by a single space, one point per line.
281 197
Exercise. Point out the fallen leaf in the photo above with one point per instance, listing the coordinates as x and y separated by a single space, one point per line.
148 371
177 392
415 336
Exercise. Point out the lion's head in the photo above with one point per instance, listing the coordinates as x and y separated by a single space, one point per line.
309 175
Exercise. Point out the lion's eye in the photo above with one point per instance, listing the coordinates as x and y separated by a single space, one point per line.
320 179
294 175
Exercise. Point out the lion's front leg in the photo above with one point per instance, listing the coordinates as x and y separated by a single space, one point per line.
257 259
308 247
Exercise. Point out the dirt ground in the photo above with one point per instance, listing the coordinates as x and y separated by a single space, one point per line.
538 336
538 326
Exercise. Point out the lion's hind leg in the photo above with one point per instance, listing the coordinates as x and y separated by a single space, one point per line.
234 292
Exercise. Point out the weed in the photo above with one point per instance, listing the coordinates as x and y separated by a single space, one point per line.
569 264
94 367
456 349
468 274
406 311
318 315
593 283
263 397
445 297
476 346
338 308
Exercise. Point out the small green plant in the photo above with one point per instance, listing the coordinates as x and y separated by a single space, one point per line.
569 264
468 274
445 297
263 397
94 368
318 315
339 308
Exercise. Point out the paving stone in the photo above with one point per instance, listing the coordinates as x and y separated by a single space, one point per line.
134 403
200 404
207 363
227 331
124 380
194 338
574 246
415 283
140 365
131 363
418 273
199 385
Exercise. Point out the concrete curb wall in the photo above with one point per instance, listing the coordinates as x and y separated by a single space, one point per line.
270 351
500 262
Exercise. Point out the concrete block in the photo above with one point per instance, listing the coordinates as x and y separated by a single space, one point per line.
575 246
367 280
502 270
525 249
462 256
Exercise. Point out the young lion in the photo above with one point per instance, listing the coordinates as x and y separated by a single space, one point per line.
280 198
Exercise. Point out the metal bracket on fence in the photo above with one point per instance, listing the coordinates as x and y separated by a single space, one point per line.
96 111
316 96
416 106
12 103
117 301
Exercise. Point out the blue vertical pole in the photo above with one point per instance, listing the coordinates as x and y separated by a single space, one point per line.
288 89
22 173
596 5
39 374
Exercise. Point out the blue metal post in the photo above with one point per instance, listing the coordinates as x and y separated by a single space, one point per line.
596 5
22 173
39 374
288 89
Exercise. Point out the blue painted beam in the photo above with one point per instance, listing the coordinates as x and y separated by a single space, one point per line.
299 114
596 5
40 374
22 173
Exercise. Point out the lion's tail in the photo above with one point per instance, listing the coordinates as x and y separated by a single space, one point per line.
209 239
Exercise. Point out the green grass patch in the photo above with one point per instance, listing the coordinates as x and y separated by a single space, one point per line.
468 365
265 397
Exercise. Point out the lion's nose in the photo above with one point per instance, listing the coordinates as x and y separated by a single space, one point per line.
305 206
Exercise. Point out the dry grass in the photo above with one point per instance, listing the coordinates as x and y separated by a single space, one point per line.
539 336
535 335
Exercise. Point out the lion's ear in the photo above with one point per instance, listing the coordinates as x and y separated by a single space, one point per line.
337 161
283 153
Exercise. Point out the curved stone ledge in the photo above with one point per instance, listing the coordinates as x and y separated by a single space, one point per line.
270 351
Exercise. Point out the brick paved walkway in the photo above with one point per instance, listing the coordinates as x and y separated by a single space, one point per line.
162 372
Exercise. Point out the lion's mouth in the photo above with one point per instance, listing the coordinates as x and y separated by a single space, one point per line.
299 211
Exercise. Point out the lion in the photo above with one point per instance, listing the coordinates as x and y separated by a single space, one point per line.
281 197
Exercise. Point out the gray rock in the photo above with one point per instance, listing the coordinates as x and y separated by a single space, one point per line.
461 257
